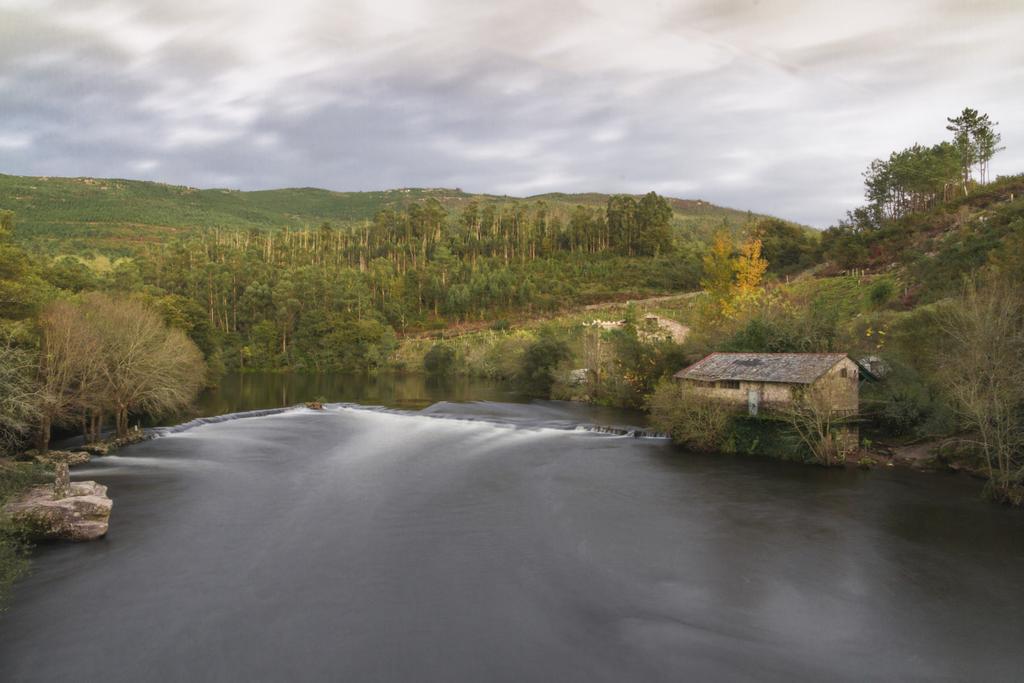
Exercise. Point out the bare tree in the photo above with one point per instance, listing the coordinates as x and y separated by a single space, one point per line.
983 369
19 395
690 417
823 429
146 367
112 356
69 354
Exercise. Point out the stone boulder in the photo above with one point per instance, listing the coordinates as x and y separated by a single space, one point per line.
82 515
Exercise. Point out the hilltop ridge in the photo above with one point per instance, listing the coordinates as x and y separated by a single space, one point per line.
114 214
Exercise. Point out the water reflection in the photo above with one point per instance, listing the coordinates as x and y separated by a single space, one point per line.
253 391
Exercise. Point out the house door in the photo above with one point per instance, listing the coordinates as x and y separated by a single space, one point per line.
753 400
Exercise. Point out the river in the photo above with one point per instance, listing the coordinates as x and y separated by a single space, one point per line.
461 534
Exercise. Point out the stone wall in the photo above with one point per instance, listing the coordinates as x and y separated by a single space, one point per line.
842 391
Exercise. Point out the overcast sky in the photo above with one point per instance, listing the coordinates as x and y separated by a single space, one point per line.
774 106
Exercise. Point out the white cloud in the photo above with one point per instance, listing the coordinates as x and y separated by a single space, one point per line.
15 140
774 106
145 165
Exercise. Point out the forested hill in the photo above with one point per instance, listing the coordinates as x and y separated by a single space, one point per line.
116 215
934 249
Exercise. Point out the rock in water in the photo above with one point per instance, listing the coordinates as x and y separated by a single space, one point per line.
82 515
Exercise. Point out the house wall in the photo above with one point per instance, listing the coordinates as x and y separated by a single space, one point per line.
842 391
771 392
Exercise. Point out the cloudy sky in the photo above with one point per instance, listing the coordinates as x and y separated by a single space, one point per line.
774 106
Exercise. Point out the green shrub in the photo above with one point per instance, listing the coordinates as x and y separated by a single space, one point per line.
503 358
903 403
537 369
765 437
15 477
439 360
690 419
881 292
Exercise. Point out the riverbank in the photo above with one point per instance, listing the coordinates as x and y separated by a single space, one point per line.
414 391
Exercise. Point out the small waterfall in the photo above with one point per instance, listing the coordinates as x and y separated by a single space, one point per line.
214 419
443 410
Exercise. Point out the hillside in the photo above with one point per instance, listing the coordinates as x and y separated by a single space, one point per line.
69 214
931 252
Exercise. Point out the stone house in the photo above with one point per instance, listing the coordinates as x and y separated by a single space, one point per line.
767 381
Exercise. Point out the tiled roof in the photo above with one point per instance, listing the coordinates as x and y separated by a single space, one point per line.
789 368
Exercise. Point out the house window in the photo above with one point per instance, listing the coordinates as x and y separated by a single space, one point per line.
842 372
729 384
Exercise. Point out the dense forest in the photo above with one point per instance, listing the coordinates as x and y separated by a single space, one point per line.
339 297
335 297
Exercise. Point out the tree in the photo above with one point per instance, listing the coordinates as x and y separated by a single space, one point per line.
689 417
537 368
719 268
113 355
788 248
914 179
6 224
147 367
820 427
750 269
19 395
69 370
622 223
439 360
983 371
963 128
977 141
986 142
21 288
654 216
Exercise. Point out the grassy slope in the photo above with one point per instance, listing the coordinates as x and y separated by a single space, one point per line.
950 238
69 214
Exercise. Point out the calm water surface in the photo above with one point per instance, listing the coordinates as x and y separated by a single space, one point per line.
253 391
471 537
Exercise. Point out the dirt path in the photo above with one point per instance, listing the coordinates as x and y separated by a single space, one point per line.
642 302
459 329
